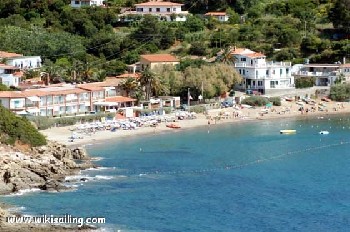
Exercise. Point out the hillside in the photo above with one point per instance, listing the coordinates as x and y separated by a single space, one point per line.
18 131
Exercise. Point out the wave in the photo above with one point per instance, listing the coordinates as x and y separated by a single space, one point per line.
85 178
100 168
16 209
100 177
24 191
97 158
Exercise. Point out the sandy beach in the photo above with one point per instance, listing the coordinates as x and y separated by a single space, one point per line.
214 117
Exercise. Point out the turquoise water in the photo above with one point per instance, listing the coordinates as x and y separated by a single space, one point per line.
239 177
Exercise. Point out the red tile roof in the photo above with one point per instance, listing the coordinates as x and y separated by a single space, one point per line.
161 3
255 55
92 86
120 99
127 75
4 54
237 51
215 14
11 94
5 66
160 58
345 66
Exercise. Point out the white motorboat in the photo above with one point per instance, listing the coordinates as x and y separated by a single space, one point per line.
323 132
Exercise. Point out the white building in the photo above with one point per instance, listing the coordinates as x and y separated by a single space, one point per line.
221 16
167 11
324 74
86 3
261 75
8 75
24 62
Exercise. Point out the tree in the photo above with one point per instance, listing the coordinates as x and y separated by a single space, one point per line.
146 80
226 56
198 49
194 24
339 14
129 85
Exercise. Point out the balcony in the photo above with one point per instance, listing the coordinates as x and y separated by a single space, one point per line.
313 74
263 65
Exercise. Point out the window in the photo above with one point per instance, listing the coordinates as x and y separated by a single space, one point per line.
253 83
257 73
158 9
76 2
260 83
174 9
150 9
139 9
243 71
243 59
287 71
267 72
240 72
281 71
168 9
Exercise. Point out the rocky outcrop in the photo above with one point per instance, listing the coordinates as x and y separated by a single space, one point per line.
42 167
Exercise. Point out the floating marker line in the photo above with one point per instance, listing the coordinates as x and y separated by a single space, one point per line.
237 166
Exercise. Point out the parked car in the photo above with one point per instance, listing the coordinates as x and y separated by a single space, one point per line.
227 104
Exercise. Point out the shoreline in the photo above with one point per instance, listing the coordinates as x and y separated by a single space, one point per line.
217 117
37 169
61 134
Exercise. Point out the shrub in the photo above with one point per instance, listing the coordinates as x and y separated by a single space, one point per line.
14 128
276 101
46 122
255 101
198 109
304 82
340 92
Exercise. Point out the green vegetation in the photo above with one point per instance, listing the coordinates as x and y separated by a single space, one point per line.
90 43
43 122
304 82
14 129
255 101
340 92
276 101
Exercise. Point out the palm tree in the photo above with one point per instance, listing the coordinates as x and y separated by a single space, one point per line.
146 81
129 85
226 56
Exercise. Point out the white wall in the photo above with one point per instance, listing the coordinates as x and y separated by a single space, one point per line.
5 102
25 62
9 80
78 3
162 9
17 103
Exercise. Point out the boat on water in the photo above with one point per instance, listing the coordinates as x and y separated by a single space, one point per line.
323 132
288 131
174 126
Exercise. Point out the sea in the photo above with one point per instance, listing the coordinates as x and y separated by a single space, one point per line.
242 176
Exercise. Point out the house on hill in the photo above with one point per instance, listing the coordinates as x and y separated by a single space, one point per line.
152 60
166 11
86 3
324 74
221 16
261 75
9 75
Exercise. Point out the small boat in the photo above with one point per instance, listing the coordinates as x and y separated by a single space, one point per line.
288 131
323 132
174 126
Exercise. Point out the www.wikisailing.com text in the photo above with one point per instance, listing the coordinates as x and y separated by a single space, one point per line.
51 219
